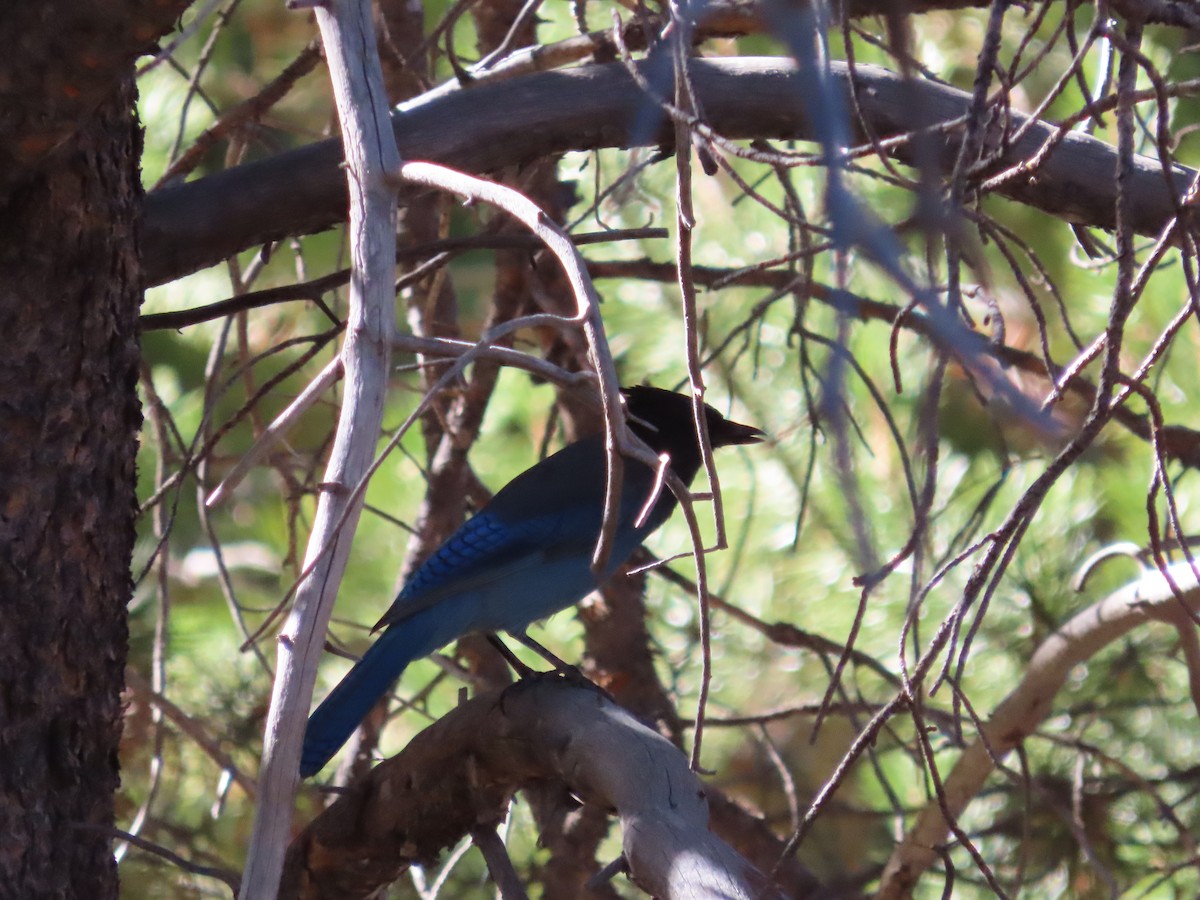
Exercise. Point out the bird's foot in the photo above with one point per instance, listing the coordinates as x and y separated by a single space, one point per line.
522 670
541 651
574 674
562 670
565 675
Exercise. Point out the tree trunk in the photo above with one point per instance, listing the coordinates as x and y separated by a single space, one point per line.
70 281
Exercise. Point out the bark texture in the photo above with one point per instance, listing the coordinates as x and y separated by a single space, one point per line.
60 62
69 295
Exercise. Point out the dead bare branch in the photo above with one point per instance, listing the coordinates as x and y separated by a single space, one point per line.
1154 596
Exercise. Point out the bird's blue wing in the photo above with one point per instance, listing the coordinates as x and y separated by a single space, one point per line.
549 515
550 554
483 552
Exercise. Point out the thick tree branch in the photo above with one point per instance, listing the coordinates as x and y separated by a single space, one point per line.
461 773
197 224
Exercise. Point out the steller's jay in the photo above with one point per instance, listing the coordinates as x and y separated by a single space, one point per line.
525 555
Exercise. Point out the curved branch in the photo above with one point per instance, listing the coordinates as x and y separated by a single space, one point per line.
461 772
617 438
1154 596
194 225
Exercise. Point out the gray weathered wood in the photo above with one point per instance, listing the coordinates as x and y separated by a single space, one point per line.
372 161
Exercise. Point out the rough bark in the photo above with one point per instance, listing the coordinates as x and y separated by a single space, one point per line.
70 281
61 62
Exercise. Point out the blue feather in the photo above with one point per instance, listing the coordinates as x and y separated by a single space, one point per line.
332 723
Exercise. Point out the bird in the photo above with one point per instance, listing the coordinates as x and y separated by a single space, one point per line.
523 556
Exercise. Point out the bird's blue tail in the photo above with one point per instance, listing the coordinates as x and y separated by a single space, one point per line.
332 723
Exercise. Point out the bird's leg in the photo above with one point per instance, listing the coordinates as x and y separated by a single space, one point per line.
541 651
563 669
522 670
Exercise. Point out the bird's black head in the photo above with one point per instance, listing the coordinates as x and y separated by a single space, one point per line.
663 419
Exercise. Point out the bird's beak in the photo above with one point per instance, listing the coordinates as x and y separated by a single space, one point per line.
736 433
